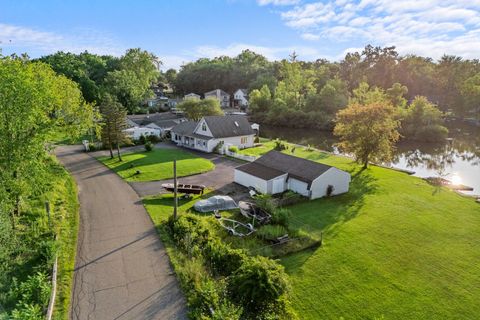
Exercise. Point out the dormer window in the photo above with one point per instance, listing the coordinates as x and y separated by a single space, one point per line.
204 126
236 124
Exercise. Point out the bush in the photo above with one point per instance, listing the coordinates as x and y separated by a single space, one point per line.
257 139
265 202
148 146
92 147
271 232
223 259
153 138
259 283
280 216
233 149
142 139
279 145
218 148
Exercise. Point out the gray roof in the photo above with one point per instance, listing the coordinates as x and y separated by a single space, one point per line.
157 118
185 127
297 168
244 91
261 171
229 126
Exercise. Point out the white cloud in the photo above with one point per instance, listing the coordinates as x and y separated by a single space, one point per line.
310 36
277 2
19 37
427 27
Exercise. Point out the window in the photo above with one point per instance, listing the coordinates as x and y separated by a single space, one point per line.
243 140
204 126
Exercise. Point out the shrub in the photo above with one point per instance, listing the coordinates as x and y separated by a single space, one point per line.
92 147
148 146
280 216
233 149
279 145
271 232
218 148
256 140
260 282
265 202
153 138
142 139
223 259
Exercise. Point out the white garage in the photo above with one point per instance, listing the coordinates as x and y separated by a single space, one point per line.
276 172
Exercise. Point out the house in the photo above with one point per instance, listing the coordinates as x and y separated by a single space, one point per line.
136 132
191 96
276 172
212 131
221 96
240 98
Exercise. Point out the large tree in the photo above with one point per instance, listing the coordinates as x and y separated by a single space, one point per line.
369 132
35 104
196 109
114 124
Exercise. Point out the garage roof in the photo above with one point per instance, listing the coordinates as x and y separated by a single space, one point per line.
260 171
274 163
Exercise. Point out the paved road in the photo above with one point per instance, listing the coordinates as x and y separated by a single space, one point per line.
220 179
122 270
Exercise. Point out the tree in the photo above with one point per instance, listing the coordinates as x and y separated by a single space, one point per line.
367 131
35 104
365 94
131 81
423 121
260 100
396 95
114 123
196 109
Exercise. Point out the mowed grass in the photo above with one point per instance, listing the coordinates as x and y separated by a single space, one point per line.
157 164
394 247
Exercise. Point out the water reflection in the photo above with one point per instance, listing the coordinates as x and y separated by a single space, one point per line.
457 158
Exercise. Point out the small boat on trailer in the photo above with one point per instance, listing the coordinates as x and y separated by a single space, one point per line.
184 188
251 210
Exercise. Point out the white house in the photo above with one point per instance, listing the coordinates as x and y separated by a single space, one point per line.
206 134
136 132
221 96
240 98
191 96
276 172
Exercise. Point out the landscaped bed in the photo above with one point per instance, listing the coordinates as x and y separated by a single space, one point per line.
393 247
157 164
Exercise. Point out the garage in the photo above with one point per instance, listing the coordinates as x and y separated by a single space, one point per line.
276 172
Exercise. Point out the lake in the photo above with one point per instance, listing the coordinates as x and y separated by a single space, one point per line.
456 159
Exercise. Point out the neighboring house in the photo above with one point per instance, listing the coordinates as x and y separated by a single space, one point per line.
211 131
240 98
192 96
136 132
131 123
276 172
221 96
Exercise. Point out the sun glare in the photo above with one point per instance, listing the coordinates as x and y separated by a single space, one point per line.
456 179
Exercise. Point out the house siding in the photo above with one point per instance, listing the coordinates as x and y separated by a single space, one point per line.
340 180
248 180
298 187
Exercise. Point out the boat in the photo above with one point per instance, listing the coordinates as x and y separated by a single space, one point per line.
251 210
184 188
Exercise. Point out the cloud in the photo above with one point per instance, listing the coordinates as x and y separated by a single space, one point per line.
277 2
427 27
14 37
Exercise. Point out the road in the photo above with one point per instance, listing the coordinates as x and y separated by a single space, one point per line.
122 270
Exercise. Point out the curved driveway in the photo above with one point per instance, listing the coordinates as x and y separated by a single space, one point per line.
122 270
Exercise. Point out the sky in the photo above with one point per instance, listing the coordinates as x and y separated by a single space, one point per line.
179 31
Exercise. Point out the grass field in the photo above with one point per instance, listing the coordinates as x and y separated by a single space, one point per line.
157 164
394 247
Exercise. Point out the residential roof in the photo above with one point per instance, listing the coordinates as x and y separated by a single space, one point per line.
229 126
185 127
223 93
157 118
261 171
297 168
244 91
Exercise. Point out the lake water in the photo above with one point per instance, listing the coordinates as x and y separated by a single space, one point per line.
457 159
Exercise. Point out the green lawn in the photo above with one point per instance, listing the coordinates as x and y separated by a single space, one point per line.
394 247
157 164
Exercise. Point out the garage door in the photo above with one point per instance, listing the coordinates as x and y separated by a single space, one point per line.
278 186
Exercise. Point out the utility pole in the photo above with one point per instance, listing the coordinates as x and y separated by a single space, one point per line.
175 199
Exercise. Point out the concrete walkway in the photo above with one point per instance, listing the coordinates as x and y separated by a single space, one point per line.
122 270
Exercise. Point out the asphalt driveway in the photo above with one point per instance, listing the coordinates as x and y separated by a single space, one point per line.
122 270
220 179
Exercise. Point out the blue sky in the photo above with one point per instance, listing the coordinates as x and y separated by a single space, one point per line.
179 31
